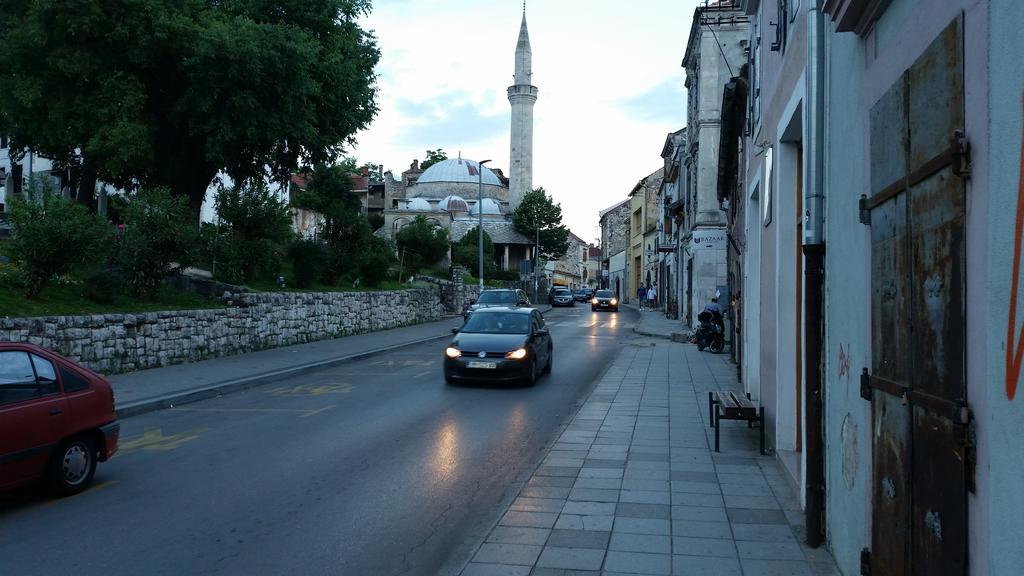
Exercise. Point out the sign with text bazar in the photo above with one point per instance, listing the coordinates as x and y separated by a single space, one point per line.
713 239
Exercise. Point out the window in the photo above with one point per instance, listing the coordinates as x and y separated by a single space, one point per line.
73 382
17 379
46 376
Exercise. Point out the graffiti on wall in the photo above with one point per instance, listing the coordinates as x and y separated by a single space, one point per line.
1015 338
844 363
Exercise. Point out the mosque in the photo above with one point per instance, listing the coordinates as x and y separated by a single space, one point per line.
446 192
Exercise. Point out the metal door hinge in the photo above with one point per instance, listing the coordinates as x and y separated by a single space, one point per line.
961 154
865 386
865 212
865 562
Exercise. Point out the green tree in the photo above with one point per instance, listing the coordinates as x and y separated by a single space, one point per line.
344 229
421 244
157 234
166 94
538 210
254 226
52 236
376 262
433 157
466 252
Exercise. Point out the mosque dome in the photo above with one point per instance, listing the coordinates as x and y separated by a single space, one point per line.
453 204
418 205
490 207
458 170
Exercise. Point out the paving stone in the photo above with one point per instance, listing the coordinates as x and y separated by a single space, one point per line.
646 474
702 513
517 554
770 550
600 472
589 508
567 471
638 562
753 502
642 526
603 483
699 529
748 516
647 457
529 519
591 523
604 463
561 462
518 535
656 544
525 504
635 510
757 567
690 546
756 479
645 464
688 476
696 499
654 485
561 572
578 539
559 481
746 490
571 558
763 532
594 495
705 566
645 497
476 569
696 487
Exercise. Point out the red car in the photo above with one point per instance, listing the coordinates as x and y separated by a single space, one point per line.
56 420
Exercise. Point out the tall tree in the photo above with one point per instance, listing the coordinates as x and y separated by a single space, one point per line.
344 229
538 211
433 157
157 93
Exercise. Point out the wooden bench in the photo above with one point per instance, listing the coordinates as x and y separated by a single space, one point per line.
728 405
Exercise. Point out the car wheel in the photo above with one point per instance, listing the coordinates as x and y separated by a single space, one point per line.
531 377
71 467
448 378
551 355
592 309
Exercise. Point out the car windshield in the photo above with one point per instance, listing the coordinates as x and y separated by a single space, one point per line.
604 294
563 293
497 323
579 291
497 298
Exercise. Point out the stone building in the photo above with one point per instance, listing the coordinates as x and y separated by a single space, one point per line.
714 54
645 212
615 238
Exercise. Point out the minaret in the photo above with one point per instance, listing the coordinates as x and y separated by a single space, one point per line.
522 95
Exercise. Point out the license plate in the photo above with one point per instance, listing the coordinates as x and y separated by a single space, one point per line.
485 365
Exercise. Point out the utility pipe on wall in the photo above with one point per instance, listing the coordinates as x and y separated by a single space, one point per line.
814 277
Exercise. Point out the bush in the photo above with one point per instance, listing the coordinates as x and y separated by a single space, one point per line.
101 284
52 236
466 252
421 244
308 258
376 262
157 233
254 226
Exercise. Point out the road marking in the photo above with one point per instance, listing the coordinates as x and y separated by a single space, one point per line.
301 411
315 412
311 390
154 439
403 363
422 374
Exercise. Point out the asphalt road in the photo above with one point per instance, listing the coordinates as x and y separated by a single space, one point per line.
370 468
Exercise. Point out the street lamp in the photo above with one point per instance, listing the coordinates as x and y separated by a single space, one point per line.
480 219
536 249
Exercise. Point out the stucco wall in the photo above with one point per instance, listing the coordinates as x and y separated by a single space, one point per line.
114 343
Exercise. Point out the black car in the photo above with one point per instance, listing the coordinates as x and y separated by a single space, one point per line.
499 345
583 294
499 298
562 297
604 300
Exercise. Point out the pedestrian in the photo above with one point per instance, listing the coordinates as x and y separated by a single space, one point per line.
652 297
641 294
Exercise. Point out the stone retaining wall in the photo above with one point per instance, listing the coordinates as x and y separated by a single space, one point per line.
115 343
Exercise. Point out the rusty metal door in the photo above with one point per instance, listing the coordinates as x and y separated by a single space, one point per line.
920 467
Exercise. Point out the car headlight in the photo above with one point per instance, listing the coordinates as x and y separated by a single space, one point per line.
517 354
452 352
614 301
593 300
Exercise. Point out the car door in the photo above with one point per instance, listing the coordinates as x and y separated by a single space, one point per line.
540 339
33 415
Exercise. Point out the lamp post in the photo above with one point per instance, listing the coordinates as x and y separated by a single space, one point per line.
536 250
480 220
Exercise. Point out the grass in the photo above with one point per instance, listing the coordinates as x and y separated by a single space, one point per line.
58 300
270 285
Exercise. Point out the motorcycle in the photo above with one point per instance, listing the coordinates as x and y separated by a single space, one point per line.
710 332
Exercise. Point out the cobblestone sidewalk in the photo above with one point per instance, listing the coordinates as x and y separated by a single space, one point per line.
632 487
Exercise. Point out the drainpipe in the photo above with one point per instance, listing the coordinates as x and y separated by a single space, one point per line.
814 277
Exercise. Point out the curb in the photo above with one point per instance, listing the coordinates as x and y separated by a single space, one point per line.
238 384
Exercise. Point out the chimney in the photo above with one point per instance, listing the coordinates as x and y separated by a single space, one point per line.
366 172
415 165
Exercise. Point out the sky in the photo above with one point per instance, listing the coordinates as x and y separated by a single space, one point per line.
608 71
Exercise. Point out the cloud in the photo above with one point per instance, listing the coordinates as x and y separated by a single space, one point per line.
447 122
665 103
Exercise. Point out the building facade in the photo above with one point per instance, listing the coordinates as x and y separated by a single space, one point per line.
615 237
